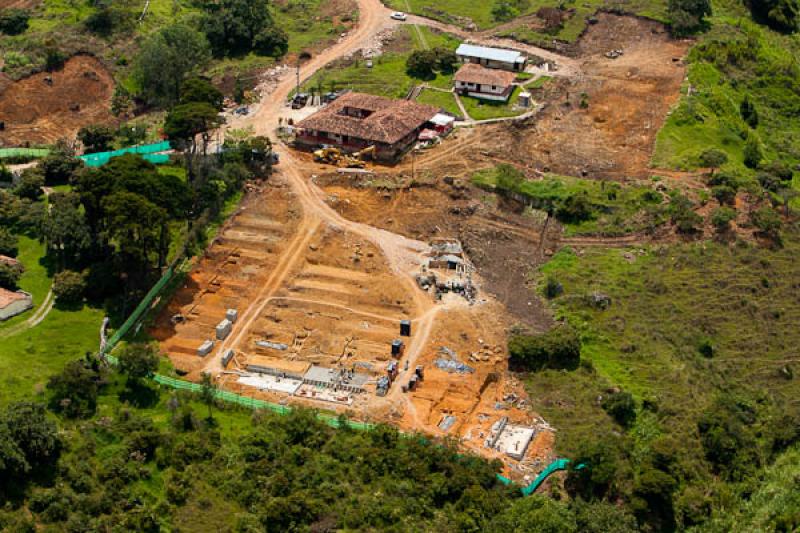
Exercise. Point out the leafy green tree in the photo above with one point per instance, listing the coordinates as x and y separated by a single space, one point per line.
166 59
603 517
14 21
68 287
722 217
65 229
780 15
9 276
271 41
724 194
185 123
748 111
138 361
652 498
60 166
575 208
9 243
200 90
727 437
13 465
30 184
594 469
753 155
621 407
559 348
35 434
233 26
96 138
535 514
687 16
136 225
767 221
682 213
73 392
422 64
713 158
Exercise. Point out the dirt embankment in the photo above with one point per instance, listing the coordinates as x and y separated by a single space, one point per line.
50 105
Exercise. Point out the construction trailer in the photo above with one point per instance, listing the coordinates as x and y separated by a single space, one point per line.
224 329
405 328
205 348
232 315
226 359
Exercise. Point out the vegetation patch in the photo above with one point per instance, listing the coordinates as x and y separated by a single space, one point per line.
700 335
584 206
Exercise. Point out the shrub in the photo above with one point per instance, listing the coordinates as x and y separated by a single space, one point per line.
14 21
559 348
68 287
552 288
753 155
722 217
575 208
713 159
621 407
767 221
682 214
9 276
74 391
30 184
748 111
724 194
687 16
271 41
9 243
781 15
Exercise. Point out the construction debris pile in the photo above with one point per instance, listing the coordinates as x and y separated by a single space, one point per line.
454 271
449 362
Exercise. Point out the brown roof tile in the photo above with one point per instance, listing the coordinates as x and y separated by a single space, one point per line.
389 121
474 73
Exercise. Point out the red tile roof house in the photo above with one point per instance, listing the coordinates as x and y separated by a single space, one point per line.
13 303
481 82
355 121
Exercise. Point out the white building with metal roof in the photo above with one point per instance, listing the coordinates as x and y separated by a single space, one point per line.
491 57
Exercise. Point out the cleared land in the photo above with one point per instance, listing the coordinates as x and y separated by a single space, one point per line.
48 106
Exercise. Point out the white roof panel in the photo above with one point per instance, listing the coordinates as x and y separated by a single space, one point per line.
492 54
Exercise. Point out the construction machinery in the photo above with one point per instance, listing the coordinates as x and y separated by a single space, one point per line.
333 156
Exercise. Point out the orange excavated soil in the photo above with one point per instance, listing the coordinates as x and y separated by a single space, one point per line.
37 111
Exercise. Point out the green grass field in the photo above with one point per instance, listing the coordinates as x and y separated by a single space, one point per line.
665 302
387 76
479 109
446 101
29 358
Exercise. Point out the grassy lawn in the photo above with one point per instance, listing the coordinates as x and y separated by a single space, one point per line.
445 101
479 109
30 357
616 209
388 76
666 301
34 280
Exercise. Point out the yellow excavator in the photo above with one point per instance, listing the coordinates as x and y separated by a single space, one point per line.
334 156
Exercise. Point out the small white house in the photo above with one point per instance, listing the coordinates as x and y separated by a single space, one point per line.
497 58
480 82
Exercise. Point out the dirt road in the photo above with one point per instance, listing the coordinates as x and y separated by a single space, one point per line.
373 18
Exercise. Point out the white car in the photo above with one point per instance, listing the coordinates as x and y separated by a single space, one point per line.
399 15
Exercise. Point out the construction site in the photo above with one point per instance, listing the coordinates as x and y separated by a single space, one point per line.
387 292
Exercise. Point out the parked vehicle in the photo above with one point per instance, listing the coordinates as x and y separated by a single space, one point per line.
399 15
299 101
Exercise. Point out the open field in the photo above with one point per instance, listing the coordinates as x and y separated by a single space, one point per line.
666 301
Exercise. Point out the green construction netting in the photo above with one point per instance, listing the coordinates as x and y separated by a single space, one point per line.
23 152
101 158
